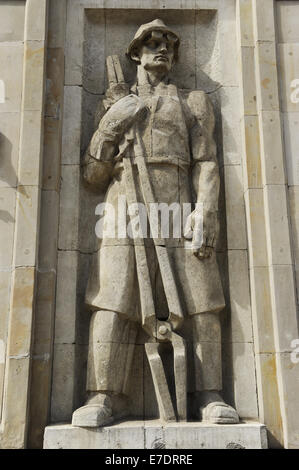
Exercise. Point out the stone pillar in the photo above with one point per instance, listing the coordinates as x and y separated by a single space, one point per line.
24 26
271 263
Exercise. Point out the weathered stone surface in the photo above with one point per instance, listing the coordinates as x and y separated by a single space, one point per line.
287 16
69 207
278 237
12 20
63 380
235 208
256 227
151 435
231 128
56 24
48 230
252 170
36 20
25 246
21 312
7 219
9 141
70 153
34 85
51 154
267 86
11 65
291 142
66 302
30 144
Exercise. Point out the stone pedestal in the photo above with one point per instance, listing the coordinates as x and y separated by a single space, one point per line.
154 435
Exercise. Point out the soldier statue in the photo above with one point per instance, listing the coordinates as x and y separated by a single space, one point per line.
154 141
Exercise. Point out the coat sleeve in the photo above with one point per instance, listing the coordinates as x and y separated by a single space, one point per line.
205 172
99 159
203 146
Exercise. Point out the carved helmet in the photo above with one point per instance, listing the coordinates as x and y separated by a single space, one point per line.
145 29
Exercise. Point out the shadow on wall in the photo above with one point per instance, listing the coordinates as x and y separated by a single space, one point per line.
6 167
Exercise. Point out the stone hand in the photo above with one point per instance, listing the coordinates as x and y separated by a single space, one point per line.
203 229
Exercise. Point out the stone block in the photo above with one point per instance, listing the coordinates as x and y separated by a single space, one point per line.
5 282
25 246
289 74
207 60
74 44
39 400
69 207
7 225
294 216
88 240
287 21
14 416
256 230
52 154
248 88
269 402
57 23
263 20
154 435
34 63
66 302
235 208
284 300
245 25
228 43
241 327
11 66
71 125
244 381
9 142
278 237
231 128
48 230
30 148
36 15
291 143
252 170
261 310
94 56
55 80
266 77
12 20
23 285
272 148
44 316
291 380
63 383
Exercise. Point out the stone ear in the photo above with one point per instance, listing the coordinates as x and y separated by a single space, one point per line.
134 56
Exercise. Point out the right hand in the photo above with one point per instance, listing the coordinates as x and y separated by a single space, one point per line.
114 93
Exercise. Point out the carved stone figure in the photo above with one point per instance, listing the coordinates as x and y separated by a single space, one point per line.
154 144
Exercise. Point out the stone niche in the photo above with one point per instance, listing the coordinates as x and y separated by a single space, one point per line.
208 62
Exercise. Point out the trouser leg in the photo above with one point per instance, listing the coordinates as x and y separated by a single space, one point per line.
111 347
207 352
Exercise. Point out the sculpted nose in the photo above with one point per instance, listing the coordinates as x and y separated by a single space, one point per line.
162 47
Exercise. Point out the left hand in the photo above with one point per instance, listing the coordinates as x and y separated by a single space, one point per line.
204 231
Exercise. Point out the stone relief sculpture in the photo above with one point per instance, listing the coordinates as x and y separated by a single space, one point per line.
154 145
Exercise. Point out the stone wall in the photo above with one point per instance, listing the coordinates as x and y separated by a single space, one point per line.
243 53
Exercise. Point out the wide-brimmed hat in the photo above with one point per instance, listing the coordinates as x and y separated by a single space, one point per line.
145 29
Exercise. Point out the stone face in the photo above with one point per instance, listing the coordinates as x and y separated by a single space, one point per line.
151 435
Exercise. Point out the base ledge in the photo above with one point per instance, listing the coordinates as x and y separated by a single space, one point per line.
153 434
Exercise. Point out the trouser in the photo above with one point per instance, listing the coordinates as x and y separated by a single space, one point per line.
111 347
